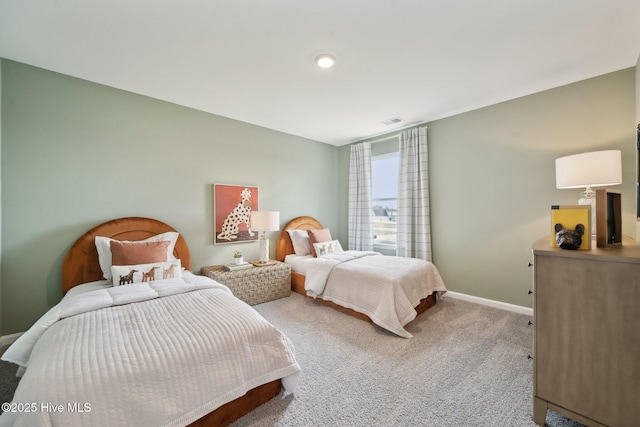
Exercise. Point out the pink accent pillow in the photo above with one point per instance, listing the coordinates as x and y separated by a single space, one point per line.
318 236
133 253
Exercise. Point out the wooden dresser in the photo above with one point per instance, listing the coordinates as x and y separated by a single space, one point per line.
587 334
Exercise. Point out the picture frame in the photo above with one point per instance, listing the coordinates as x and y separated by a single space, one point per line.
569 216
232 206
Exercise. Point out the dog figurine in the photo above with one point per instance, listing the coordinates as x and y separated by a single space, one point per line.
569 239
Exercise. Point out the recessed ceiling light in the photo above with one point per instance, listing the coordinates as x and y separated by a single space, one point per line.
325 60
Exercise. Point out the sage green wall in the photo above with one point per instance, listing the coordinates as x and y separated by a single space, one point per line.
638 136
76 154
0 198
492 178
638 139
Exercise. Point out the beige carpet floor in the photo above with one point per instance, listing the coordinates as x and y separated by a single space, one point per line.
466 365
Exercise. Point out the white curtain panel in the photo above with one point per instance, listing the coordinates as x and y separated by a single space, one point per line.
414 226
360 216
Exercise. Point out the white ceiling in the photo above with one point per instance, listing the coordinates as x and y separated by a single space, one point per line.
252 60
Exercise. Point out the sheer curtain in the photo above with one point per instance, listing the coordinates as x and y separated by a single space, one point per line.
360 220
414 227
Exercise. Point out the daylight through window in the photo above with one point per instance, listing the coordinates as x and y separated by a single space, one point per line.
384 199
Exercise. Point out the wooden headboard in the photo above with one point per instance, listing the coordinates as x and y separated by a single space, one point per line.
81 265
284 246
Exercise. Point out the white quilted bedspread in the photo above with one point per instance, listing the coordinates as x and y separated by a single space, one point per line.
385 288
147 360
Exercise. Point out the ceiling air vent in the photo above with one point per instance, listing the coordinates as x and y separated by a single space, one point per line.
393 121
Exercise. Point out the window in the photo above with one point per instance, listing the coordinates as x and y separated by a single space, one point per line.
384 199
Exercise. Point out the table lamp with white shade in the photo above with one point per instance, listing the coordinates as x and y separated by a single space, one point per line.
264 221
586 170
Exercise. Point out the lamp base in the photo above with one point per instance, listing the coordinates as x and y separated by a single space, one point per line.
264 250
585 200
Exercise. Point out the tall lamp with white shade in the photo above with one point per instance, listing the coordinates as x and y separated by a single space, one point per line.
586 170
264 221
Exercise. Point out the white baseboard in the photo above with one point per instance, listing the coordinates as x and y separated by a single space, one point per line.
491 303
7 340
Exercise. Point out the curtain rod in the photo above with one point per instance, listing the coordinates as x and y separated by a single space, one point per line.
384 136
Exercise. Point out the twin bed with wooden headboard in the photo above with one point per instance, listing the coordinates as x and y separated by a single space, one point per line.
386 290
177 350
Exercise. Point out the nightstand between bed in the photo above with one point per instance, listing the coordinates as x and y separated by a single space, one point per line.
254 285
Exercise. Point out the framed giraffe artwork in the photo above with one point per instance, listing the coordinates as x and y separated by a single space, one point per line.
232 206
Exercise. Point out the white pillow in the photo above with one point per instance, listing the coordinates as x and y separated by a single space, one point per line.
300 240
328 248
103 246
128 274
